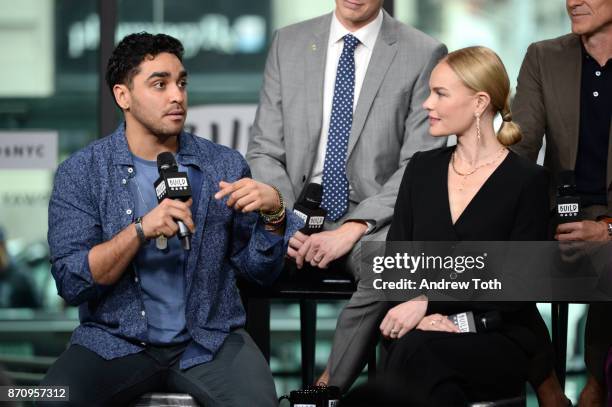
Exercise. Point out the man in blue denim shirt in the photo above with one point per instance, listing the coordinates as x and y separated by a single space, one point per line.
154 318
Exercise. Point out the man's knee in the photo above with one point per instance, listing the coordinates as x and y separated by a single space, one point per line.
93 381
259 383
76 388
369 246
238 376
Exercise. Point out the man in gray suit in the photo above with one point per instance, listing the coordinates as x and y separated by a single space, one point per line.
341 106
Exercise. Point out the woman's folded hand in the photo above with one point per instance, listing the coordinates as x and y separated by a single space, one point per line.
403 317
437 322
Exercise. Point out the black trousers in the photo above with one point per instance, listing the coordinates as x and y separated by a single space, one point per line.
451 369
598 339
237 376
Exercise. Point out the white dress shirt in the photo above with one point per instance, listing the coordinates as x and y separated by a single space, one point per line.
367 36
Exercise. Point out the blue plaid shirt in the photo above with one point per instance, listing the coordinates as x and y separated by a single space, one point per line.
91 203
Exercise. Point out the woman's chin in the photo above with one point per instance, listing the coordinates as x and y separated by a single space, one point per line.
437 132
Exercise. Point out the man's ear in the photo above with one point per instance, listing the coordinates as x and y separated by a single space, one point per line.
122 96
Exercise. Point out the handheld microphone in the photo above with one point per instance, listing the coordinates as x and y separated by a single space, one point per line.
468 322
309 209
489 321
174 185
568 202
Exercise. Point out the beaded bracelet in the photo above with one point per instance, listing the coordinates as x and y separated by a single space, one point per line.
275 217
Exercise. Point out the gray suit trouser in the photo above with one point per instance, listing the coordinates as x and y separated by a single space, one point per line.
357 330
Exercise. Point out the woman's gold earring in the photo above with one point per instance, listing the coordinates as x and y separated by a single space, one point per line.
478 127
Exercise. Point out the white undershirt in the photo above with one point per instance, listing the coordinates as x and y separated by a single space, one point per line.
367 37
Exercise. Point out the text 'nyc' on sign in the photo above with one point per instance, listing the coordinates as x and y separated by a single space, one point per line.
28 150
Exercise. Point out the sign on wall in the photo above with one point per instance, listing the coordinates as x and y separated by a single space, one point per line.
28 150
229 125
219 36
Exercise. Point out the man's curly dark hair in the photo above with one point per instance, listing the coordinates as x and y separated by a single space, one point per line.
132 50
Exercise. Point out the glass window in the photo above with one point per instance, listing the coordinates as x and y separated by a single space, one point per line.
48 110
506 26
51 88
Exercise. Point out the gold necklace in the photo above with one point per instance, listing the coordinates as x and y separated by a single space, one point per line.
467 174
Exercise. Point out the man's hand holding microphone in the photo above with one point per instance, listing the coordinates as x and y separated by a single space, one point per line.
576 235
162 220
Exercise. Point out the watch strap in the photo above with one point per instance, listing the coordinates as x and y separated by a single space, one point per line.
608 221
140 231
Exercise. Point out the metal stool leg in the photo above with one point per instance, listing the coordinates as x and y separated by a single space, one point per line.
559 338
372 364
308 319
258 323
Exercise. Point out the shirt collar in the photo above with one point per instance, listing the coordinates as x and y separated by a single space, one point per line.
366 35
187 155
587 57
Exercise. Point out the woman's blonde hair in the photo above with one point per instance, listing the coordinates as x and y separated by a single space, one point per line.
481 70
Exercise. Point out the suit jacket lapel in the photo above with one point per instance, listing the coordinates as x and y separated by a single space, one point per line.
567 70
315 55
382 56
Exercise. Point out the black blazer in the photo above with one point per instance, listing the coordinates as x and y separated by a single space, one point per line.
512 205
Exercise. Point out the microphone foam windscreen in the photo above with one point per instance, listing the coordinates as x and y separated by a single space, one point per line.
314 193
567 178
166 161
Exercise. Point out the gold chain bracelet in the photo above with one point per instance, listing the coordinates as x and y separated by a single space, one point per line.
277 216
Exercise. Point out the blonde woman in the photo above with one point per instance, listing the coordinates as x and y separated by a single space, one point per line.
477 190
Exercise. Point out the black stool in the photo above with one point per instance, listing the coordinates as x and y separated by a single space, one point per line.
511 402
306 286
166 399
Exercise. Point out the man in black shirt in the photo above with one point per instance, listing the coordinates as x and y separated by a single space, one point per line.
593 140
565 91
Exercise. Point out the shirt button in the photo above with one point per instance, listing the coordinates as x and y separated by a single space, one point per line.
142 313
143 343
597 73
595 94
124 181
130 170
136 279
129 212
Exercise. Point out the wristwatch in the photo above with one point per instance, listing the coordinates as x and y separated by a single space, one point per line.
140 231
608 222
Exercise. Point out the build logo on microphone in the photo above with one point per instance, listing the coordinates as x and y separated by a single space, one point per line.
178 183
160 190
316 221
301 215
568 209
